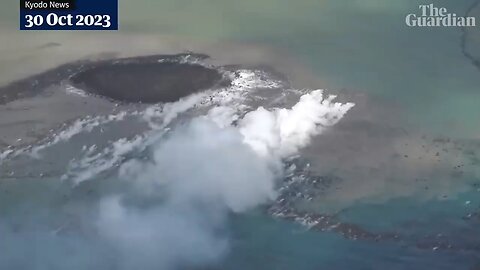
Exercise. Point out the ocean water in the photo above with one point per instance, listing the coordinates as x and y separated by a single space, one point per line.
363 47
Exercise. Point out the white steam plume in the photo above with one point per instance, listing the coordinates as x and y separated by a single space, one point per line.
171 210
280 133
201 172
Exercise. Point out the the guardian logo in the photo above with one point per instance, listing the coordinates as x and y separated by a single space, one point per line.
431 16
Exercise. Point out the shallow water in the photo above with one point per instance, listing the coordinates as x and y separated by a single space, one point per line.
420 75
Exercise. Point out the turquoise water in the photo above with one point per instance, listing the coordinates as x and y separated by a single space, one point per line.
262 243
431 215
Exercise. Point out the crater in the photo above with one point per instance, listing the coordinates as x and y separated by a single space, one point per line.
146 81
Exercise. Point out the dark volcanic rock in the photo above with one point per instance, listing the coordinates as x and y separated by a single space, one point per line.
147 82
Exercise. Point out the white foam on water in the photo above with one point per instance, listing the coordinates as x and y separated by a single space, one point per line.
79 126
160 116
75 91
248 79
93 164
5 154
